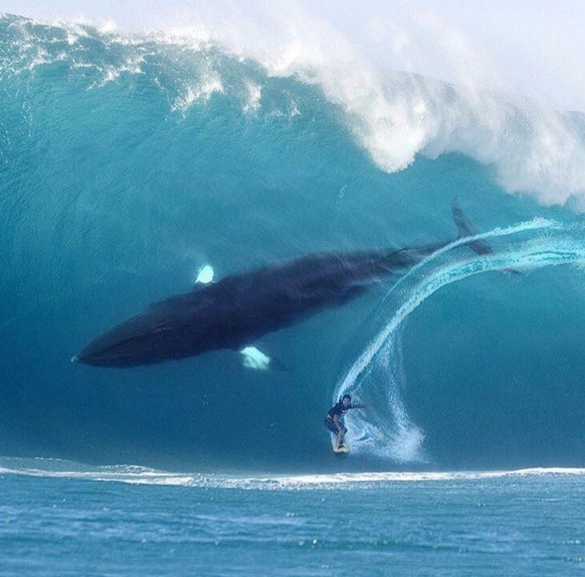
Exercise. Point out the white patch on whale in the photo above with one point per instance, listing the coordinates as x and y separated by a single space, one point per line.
205 275
254 359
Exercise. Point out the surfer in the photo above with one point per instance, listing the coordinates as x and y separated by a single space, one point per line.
335 419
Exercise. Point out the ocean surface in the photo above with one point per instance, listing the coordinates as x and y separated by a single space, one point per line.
131 162
62 519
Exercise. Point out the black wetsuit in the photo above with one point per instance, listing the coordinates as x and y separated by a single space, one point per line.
339 410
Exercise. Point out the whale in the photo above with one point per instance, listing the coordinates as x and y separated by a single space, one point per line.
238 310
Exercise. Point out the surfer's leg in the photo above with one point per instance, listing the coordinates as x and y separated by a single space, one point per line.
331 426
333 429
340 436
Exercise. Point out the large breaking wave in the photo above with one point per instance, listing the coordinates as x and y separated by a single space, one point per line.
129 162
534 148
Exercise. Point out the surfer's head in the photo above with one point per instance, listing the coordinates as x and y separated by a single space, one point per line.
346 400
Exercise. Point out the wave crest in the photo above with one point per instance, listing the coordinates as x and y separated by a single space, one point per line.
395 116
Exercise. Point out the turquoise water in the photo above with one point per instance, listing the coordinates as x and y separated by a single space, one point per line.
130 163
523 523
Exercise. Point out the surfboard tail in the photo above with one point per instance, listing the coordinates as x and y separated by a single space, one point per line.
466 229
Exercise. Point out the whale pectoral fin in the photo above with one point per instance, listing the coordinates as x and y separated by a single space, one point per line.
205 275
254 358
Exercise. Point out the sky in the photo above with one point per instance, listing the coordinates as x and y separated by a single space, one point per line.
529 47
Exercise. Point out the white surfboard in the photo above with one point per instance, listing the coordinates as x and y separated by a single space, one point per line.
344 448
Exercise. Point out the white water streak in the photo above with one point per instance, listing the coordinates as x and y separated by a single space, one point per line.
366 358
397 437
137 475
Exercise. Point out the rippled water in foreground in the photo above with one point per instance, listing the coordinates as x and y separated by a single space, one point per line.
154 523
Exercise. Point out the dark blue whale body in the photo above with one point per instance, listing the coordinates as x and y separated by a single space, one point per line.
239 309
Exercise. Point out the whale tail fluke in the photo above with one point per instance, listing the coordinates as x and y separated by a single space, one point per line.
466 229
479 245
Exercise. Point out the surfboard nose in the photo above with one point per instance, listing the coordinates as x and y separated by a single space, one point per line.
74 359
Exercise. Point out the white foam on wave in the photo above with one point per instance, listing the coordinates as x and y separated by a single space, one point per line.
406 477
392 111
397 115
254 95
202 91
60 469
137 475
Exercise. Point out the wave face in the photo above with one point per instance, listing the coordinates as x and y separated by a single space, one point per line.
130 163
